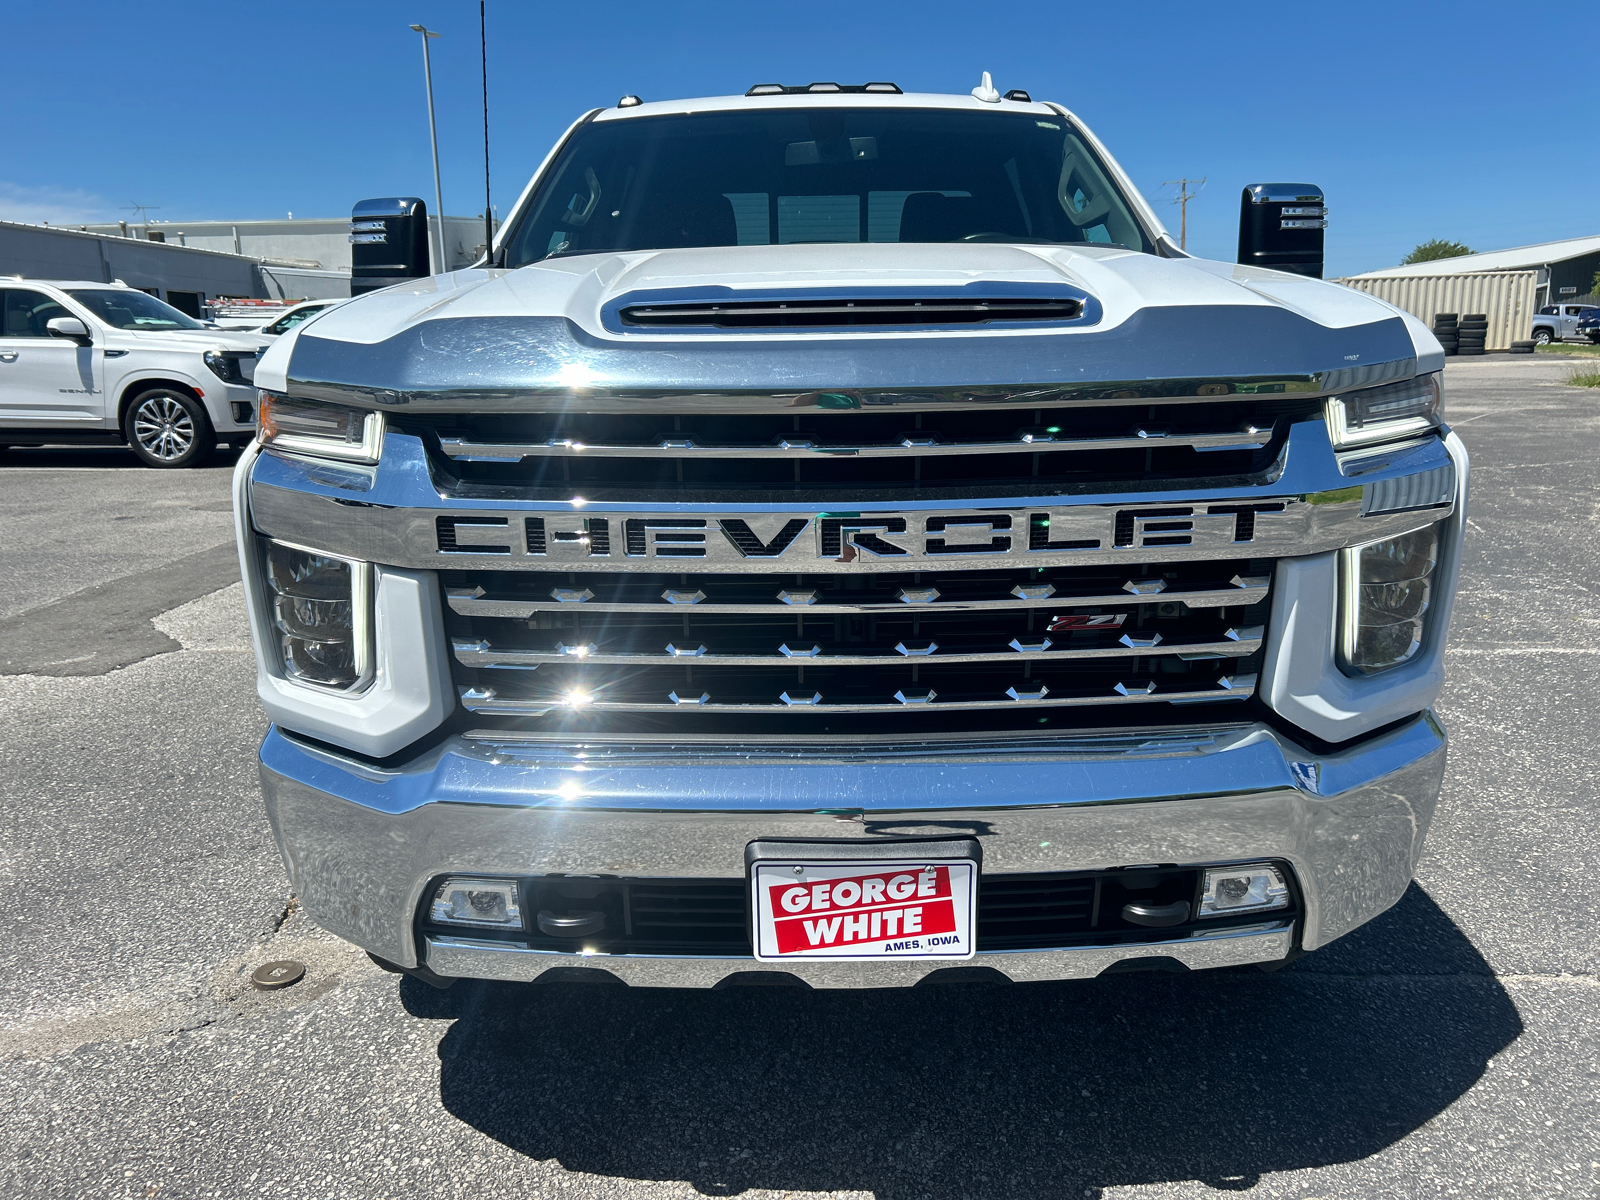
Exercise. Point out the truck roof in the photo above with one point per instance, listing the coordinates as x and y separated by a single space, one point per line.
813 100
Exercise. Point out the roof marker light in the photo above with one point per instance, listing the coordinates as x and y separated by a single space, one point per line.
880 87
629 102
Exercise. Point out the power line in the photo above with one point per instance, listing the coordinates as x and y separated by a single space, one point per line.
1182 201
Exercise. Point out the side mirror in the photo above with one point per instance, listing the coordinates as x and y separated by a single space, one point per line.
1281 225
71 328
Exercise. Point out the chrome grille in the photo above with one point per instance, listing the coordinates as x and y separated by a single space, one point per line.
1005 645
836 446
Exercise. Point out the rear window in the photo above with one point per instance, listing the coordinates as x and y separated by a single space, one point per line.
828 175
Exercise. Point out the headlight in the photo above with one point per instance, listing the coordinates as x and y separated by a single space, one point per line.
1391 411
329 430
1387 588
224 366
321 610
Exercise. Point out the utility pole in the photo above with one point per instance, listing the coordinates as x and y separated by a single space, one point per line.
1182 201
433 136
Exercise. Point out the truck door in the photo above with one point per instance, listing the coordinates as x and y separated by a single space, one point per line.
44 380
1569 319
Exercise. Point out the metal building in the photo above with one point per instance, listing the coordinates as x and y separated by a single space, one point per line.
317 243
1505 297
1565 270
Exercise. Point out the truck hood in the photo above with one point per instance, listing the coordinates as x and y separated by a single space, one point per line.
555 326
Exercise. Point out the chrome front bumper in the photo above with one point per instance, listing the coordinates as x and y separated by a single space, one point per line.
361 843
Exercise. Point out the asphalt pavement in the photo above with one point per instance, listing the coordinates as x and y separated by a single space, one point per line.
1450 1048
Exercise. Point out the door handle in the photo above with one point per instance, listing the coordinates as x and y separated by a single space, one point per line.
8 356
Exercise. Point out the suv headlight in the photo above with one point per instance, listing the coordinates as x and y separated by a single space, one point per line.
1379 413
1387 586
327 430
225 365
321 610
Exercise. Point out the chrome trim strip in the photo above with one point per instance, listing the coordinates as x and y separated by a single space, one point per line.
484 654
487 702
561 750
530 364
459 448
392 517
473 958
474 602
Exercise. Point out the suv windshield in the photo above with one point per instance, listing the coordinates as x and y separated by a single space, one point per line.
778 177
125 308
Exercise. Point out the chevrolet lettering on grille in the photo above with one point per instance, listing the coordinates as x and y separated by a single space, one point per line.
874 540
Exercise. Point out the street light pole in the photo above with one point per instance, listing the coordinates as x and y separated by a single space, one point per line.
433 136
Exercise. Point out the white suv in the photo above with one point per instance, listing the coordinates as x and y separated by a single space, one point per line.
98 363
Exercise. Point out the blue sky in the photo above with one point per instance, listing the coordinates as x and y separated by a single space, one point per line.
1419 120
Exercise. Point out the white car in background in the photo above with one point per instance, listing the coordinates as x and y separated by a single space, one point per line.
292 317
88 363
271 319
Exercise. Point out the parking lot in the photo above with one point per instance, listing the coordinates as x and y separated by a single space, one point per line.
1450 1048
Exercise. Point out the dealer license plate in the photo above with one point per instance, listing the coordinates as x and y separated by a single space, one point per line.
877 909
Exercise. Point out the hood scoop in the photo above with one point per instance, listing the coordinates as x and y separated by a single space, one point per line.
834 313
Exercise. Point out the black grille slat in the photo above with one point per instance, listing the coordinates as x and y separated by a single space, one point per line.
833 446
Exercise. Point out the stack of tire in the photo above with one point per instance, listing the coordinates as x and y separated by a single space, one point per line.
1444 328
1522 347
1471 332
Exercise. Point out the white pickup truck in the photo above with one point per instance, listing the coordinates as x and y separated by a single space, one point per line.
105 364
839 537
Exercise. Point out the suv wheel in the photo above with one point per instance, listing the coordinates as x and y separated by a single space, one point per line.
1542 337
166 428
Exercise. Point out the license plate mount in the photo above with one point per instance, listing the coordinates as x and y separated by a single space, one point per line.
864 901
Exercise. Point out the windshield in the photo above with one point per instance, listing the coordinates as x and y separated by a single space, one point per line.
125 308
779 177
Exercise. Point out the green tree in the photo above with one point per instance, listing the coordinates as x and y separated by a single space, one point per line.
1434 250
1594 285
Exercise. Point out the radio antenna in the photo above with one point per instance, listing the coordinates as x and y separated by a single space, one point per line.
488 210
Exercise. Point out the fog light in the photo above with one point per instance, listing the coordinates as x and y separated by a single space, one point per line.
1254 887
483 902
1387 589
320 608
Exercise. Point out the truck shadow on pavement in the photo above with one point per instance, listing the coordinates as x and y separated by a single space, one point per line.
1054 1089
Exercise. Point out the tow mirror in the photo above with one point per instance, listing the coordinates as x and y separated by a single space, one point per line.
1282 225
388 243
70 328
